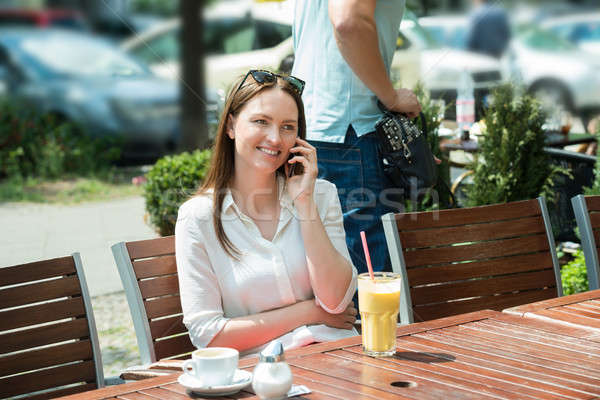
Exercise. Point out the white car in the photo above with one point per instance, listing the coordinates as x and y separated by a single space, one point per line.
581 29
441 66
551 68
238 36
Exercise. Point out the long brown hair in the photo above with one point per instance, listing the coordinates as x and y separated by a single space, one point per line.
222 169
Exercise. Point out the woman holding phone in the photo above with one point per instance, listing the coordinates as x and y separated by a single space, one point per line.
261 251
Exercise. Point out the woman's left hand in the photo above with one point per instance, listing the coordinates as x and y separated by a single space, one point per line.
301 187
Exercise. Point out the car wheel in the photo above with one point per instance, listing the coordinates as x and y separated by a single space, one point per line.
286 64
552 95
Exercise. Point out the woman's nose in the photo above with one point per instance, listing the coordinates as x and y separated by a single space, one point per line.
273 135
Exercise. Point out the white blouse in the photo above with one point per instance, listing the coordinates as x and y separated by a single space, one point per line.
214 287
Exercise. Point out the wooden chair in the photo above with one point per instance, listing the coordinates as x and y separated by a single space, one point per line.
587 214
149 275
48 341
462 260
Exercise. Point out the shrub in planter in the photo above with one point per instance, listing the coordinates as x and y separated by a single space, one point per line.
511 164
574 275
170 182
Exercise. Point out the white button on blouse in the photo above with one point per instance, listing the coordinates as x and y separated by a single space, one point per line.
214 287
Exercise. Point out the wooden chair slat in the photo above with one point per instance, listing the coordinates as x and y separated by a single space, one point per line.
44 335
158 266
47 378
597 236
63 392
498 303
592 203
595 219
477 251
151 247
42 313
482 287
477 269
456 217
167 348
163 306
472 233
36 270
80 350
36 292
160 286
167 326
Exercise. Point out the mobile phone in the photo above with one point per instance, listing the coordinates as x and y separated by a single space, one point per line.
292 167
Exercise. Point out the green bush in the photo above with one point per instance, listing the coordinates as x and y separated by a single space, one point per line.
38 146
170 182
574 275
511 164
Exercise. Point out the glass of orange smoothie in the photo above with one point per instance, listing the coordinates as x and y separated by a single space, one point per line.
378 301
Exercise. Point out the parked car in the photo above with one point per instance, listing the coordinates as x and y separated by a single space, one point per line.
238 36
551 68
441 66
92 83
43 18
581 29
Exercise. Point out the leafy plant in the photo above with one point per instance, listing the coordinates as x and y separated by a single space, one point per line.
511 164
574 275
170 182
42 146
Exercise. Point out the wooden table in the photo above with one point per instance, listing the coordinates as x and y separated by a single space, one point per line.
481 355
578 312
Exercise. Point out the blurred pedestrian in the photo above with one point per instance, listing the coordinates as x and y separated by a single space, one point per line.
344 49
489 29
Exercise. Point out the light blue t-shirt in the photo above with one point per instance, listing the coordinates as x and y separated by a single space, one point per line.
334 97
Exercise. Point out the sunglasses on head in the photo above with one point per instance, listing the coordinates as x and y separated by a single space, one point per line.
262 77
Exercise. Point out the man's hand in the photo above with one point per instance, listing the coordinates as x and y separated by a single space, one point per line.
405 102
343 320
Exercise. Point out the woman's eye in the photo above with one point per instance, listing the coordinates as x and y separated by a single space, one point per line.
289 127
260 121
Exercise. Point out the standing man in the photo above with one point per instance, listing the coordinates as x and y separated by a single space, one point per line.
343 50
489 30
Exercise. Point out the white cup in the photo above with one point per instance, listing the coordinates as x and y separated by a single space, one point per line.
213 366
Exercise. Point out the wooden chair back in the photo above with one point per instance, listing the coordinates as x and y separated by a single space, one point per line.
587 214
48 340
149 274
462 260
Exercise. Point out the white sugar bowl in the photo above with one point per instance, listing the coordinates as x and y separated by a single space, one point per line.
272 376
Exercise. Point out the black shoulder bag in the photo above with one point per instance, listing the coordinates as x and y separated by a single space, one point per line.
405 151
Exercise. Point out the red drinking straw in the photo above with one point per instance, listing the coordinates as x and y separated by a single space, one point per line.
367 256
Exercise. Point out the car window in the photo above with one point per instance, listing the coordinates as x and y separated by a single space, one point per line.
270 34
540 39
16 20
586 32
229 35
160 49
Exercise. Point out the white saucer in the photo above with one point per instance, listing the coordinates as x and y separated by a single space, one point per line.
241 379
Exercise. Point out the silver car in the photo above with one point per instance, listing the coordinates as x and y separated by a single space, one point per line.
90 82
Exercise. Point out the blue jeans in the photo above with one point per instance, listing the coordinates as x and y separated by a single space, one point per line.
356 169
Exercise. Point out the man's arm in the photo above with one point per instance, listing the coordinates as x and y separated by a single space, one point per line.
355 32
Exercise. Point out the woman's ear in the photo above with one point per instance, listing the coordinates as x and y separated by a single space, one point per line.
229 127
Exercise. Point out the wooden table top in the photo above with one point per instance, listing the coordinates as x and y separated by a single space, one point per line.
480 355
580 312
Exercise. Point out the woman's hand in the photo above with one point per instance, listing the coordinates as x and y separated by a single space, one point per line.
301 187
343 320
405 102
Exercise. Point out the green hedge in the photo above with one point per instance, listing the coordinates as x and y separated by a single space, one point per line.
43 146
170 182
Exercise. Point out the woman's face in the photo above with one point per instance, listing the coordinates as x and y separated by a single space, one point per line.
264 131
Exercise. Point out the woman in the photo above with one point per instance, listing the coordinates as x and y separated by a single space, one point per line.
261 251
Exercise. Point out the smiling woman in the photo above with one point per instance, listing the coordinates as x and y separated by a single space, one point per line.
261 253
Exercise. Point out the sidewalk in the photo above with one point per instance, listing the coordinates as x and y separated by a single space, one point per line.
32 232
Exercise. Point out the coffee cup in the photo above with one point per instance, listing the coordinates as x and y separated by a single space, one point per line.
212 366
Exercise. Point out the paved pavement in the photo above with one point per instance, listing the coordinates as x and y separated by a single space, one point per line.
32 232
